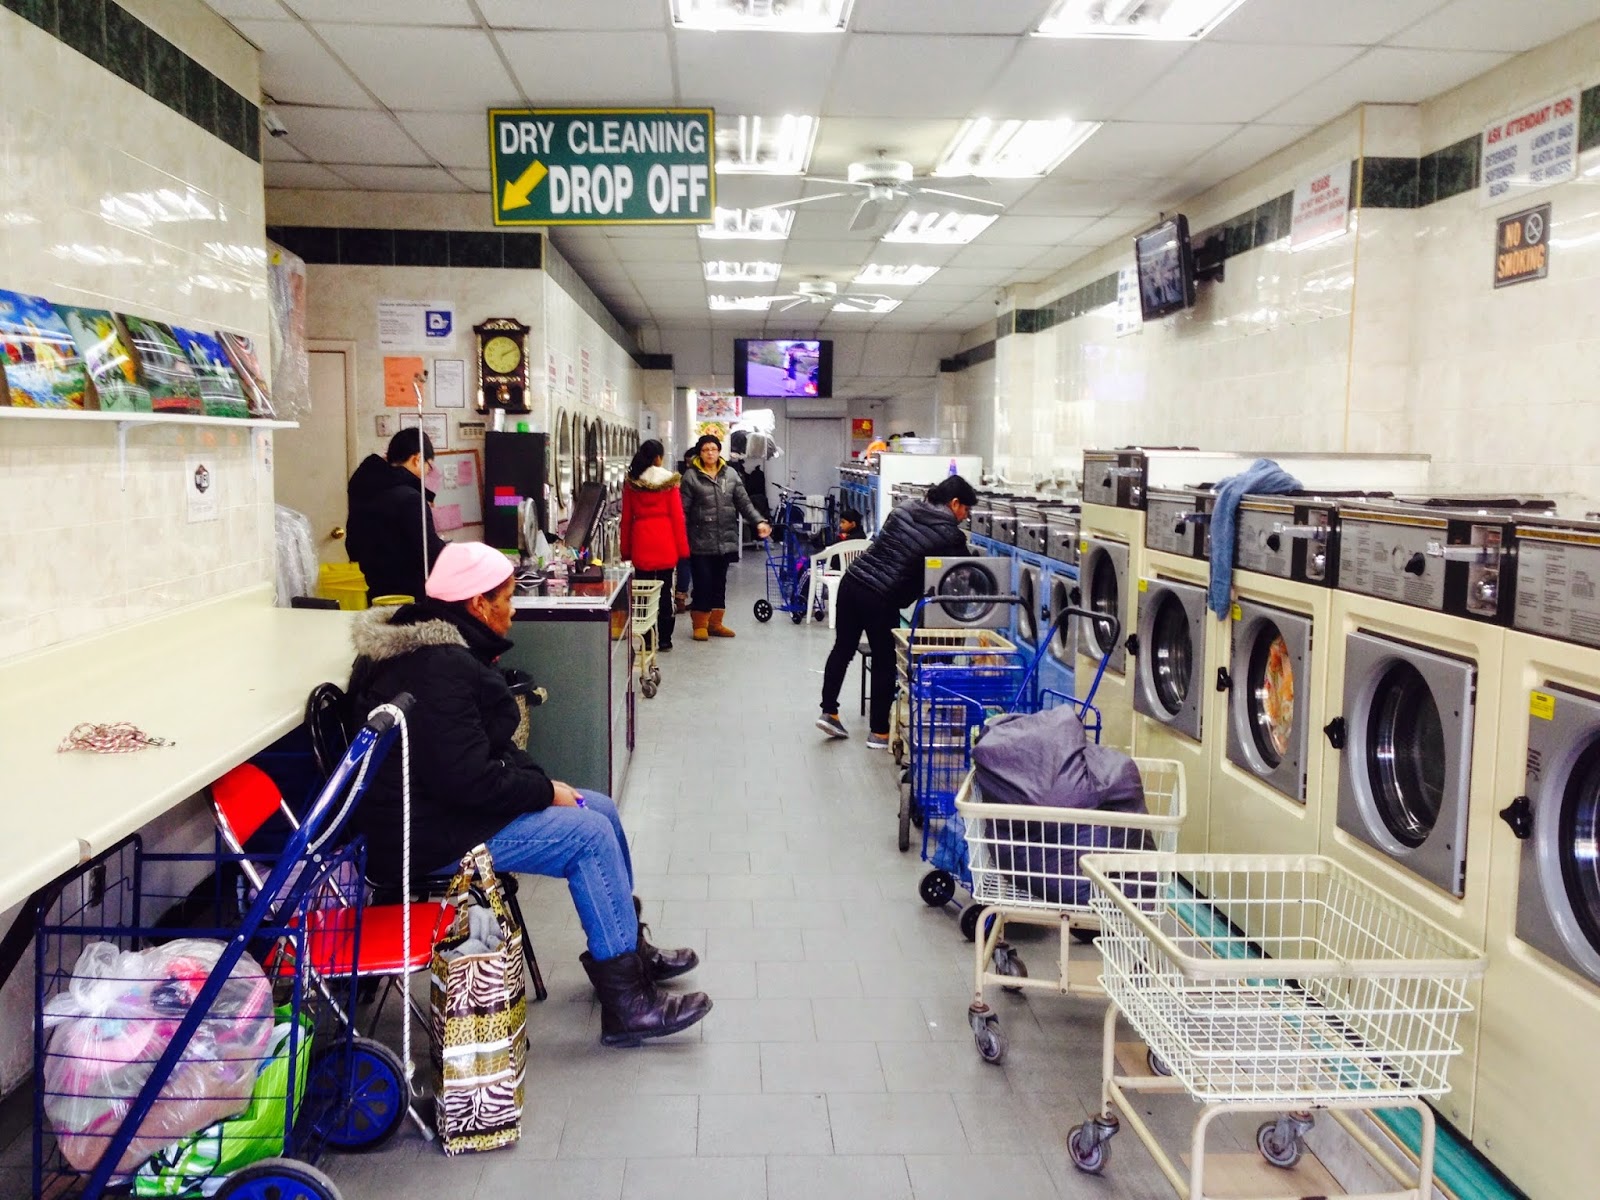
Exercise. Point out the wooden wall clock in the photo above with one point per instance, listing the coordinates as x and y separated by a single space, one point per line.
502 365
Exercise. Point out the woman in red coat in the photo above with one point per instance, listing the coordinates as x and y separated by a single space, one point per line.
653 534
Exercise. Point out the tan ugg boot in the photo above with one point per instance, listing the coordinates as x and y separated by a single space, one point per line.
700 619
718 629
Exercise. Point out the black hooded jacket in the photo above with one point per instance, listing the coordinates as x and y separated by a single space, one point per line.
385 529
891 567
467 778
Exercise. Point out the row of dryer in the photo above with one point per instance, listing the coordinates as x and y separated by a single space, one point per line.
1410 686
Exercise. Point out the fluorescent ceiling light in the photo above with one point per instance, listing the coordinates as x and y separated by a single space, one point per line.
1159 20
774 16
860 304
741 272
738 303
1012 149
749 224
881 275
938 229
765 145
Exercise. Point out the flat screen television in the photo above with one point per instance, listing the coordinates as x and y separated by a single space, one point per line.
1166 268
783 368
587 508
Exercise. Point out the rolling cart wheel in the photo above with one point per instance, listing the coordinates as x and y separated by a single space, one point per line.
356 1096
937 888
969 920
798 616
1008 962
278 1179
899 749
1157 1064
763 611
655 674
905 815
1280 1151
990 1041
1088 1151
649 687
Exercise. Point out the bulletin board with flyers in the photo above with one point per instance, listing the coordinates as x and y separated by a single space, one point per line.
458 489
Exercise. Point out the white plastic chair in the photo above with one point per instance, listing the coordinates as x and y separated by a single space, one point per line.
827 568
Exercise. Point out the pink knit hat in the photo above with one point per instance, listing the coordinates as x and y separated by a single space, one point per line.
467 569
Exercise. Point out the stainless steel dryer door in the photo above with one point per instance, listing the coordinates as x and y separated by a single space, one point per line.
1029 593
1267 706
966 577
1063 595
1558 894
1103 577
1172 654
1407 760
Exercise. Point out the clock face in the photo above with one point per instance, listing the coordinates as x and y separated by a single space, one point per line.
502 355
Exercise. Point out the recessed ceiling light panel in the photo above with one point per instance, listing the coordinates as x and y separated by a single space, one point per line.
1012 149
883 275
938 229
1159 20
772 16
741 272
765 145
859 304
749 224
738 303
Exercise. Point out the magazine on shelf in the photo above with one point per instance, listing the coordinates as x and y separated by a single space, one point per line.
163 367
220 389
241 352
40 365
112 371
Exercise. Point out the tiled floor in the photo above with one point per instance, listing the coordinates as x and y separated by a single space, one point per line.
837 1061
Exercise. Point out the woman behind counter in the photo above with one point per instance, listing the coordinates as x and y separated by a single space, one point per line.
653 533
713 500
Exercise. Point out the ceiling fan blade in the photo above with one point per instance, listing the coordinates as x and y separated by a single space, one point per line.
927 191
867 214
807 200
794 302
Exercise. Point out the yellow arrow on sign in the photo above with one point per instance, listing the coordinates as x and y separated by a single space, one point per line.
520 190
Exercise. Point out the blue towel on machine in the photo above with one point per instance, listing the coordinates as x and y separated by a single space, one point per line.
1262 477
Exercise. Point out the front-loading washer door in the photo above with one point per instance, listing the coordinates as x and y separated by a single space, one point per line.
973 577
1267 707
1172 654
1407 760
1028 593
1063 595
1558 895
1103 578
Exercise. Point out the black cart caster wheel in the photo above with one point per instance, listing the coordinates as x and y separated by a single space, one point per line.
904 840
1008 962
1279 1149
798 616
937 888
648 686
1088 1152
278 1179
1157 1064
969 921
356 1096
763 611
990 1041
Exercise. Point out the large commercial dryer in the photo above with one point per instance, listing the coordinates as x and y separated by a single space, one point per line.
1539 1041
1061 593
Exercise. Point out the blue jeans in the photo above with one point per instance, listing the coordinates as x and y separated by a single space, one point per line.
586 847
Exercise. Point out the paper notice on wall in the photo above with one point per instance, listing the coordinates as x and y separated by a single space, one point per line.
1321 208
585 377
1130 317
435 425
401 378
447 517
569 374
201 485
415 324
1530 149
449 383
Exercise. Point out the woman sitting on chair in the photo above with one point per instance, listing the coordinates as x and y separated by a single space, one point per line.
470 784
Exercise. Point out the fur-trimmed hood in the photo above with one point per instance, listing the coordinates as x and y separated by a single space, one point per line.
655 479
380 634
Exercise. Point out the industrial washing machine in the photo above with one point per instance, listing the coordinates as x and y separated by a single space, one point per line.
965 575
1539 1040
1060 593
1028 579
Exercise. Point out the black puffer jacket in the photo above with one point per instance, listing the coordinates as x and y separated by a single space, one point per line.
386 528
892 566
710 505
467 779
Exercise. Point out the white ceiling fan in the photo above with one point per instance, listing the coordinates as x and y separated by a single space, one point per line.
819 291
883 182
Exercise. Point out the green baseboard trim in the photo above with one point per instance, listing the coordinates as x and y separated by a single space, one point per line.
1457 1167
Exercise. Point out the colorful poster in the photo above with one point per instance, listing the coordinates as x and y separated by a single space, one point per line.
242 353
163 367
220 390
105 351
39 360
717 406
401 379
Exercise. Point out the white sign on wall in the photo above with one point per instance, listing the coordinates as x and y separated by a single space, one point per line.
1321 208
415 324
1130 317
1531 149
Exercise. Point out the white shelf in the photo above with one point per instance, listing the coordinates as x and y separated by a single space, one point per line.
124 421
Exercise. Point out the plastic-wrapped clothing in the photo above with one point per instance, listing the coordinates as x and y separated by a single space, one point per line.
1045 759
297 555
118 1014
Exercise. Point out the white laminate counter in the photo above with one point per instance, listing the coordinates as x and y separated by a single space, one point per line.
222 680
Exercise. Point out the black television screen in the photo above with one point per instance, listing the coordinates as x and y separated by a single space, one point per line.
782 368
1166 268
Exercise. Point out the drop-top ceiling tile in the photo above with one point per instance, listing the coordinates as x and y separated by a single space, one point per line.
844 140
1142 149
1385 76
474 181
1087 79
449 69
638 250
564 70
401 179
249 10
1347 23
655 272
1497 25
302 175
910 254
911 76
386 12
455 139
1066 197
889 354
976 278
756 74
983 254
278 149
342 135
1035 231
757 191
575 14
1013 17
296 69
1250 145
1235 83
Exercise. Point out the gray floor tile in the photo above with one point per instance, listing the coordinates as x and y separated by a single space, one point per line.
755 945
700 1178
683 1068
752 887
707 914
895 1123
963 1176
624 1125
878 1019
838 1177
813 979
782 1019
822 1067
806 912
719 979
572 1179
943 1066
767 1124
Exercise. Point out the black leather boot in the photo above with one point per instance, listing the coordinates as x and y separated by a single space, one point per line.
660 964
631 1008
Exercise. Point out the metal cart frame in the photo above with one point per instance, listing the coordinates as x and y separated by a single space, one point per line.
646 600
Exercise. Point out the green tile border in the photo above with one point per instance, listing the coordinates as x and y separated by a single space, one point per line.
107 34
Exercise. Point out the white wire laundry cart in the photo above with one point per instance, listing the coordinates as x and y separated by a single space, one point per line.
1272 984
975 647
1026 869
646 604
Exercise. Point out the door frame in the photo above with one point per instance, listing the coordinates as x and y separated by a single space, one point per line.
351 402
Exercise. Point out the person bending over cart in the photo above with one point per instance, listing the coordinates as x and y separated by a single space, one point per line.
471 784
883 579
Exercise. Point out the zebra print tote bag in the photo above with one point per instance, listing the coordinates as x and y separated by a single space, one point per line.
478 1004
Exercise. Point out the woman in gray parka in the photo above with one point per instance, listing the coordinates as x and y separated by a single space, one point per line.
713 500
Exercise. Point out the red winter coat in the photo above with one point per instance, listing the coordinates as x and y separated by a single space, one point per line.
653 534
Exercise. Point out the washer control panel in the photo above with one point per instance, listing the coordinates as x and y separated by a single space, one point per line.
1290 539
1114 478
1439 559
1178 521
1558 580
